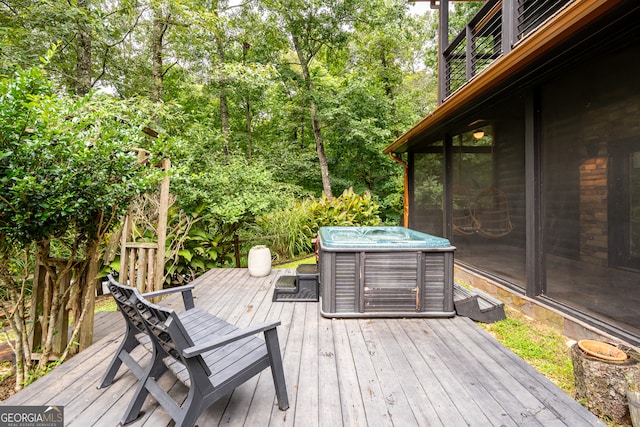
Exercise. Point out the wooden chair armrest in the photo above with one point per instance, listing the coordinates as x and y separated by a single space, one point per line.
187 295
228 338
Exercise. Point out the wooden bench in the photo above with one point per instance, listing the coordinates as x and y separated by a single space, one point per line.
135 332
209 355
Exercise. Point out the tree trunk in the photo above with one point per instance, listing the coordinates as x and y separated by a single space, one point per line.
224 118
247 113
57 272
15 313
83 66
48 315
322 158
315 123
160 24
83 310
601 385
224 108
247 108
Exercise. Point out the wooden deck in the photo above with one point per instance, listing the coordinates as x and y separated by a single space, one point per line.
351 372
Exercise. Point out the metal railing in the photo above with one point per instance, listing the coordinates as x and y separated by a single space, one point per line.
495 29
530 14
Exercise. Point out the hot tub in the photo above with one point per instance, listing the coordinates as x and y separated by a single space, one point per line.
384 272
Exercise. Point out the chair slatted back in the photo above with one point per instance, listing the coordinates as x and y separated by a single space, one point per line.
122 296
166 329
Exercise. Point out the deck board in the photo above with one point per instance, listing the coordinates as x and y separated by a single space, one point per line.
351 372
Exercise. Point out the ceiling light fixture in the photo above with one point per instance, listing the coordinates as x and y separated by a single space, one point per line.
478 133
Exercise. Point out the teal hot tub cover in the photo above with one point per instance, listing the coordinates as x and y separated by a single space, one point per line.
368 237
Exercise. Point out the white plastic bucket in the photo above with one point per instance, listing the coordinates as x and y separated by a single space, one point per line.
259 261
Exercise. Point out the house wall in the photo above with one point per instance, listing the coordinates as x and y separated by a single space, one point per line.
590 106
584 275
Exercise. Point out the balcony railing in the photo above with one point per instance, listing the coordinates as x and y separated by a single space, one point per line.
493 32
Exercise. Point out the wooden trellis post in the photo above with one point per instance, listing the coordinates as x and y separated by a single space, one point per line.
142 263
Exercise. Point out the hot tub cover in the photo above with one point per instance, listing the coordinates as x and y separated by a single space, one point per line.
378 237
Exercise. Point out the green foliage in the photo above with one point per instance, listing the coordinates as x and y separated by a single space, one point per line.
225 195
201 250
462 13
288 229
68 170
349 209
64 163
292 229
227 190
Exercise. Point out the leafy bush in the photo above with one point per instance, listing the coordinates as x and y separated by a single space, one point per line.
349 209
201 249
229 190
288 230
224 195
68 170
293 228
65 162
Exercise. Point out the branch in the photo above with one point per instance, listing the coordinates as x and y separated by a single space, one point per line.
8 6
165 26
169 67
8 203
129 31
104 68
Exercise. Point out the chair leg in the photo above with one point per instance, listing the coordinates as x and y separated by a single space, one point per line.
127 345
191 410
277 371
155 370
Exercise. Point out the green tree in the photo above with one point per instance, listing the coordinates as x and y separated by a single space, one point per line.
68 171
461 15
312 28
89 35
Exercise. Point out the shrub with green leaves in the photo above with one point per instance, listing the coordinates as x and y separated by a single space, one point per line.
202 249
68 170
292 229
349 209
64 162
287 230
225 194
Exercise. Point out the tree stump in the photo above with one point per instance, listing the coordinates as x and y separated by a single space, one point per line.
601 385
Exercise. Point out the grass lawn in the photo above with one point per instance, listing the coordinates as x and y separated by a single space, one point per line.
539 345
293 264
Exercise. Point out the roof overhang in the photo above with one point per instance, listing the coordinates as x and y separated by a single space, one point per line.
549 36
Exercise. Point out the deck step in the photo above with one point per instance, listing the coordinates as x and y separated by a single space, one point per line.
301 287
477 305
286 284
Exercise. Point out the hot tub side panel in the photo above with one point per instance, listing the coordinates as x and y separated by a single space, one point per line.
339 284
390 282
386 283
437 279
